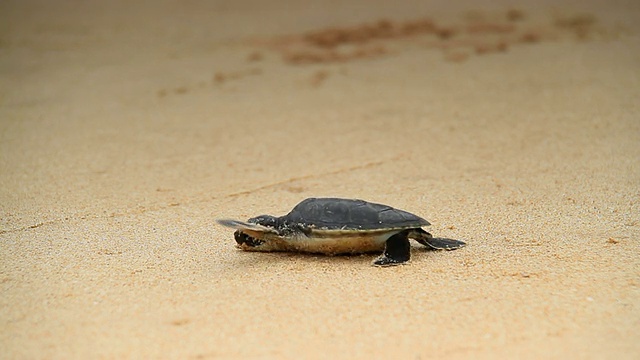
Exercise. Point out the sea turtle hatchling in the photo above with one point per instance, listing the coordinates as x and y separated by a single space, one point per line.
335 226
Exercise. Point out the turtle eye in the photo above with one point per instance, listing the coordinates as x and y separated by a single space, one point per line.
244 239
264 220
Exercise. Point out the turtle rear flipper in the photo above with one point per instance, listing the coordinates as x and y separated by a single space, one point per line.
397 251
445 244
428 240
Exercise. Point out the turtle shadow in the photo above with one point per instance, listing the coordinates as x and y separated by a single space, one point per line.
250 259
324 259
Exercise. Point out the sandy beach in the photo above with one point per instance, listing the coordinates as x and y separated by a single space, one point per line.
126 130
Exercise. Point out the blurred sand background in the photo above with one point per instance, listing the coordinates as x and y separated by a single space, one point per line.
126 128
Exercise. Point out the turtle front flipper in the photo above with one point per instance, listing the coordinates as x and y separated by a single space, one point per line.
397 251
241 225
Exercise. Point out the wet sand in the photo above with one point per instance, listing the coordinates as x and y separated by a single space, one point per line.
126 130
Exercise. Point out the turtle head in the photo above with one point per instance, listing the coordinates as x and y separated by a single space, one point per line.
244 240
257 237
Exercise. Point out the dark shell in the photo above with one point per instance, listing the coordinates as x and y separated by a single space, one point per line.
346 214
